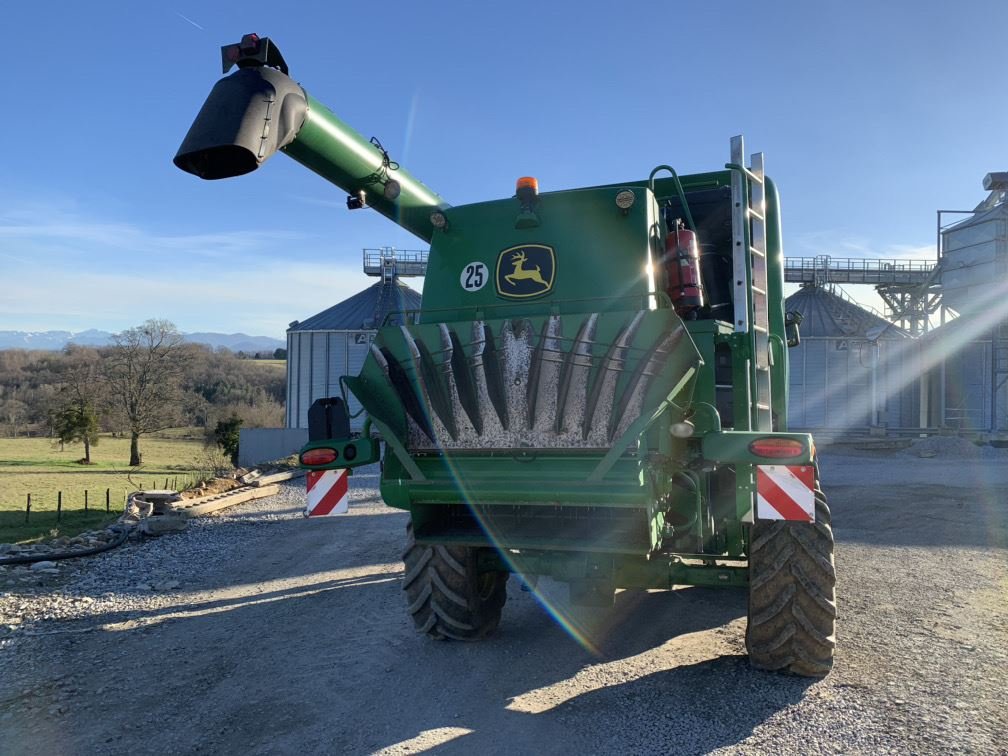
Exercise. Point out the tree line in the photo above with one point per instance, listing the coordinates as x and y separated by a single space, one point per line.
147 380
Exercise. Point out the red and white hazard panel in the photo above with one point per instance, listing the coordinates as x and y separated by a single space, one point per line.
785 492
327 493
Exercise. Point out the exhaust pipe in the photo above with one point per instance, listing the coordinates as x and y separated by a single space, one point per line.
259 110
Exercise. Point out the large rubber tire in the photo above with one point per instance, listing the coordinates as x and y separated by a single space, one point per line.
446 595
792 595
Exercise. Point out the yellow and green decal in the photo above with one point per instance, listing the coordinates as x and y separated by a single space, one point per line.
526 271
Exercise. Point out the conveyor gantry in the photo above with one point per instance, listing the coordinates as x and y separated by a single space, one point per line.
852 270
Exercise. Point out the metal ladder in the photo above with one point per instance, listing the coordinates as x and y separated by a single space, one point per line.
750 254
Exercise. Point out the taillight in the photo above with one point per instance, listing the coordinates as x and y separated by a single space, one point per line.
777 448
319 457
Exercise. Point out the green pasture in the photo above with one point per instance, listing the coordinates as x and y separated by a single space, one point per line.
36 466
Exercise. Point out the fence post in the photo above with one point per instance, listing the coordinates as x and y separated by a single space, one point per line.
108 499
27 512
59 506
85 500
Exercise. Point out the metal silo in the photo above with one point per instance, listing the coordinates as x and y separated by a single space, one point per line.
973 266
853 370
323 348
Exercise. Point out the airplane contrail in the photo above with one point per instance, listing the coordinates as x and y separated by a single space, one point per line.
186 18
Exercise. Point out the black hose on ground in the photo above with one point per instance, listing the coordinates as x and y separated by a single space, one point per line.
57 555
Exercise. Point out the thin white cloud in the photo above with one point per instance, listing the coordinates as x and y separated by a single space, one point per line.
65 270
259 301
61 232
836 244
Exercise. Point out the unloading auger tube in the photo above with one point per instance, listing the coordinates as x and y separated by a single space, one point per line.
259 110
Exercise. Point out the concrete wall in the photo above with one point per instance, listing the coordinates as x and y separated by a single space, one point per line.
256 445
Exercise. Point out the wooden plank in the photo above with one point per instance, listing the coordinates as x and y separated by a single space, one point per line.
208 504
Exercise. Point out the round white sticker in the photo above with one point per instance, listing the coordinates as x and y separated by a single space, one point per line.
474 276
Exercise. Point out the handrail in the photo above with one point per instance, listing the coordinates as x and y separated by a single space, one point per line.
679 190
838 291
893 264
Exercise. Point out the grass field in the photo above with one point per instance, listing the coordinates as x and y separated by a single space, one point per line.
36 466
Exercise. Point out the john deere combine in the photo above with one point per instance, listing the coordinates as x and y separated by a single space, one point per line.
595 388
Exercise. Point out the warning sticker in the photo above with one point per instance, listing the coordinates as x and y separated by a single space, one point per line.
328 493
785 492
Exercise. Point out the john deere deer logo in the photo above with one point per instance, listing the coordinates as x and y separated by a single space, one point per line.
525 271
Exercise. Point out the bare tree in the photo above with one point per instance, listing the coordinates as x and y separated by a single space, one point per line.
13 411
144 368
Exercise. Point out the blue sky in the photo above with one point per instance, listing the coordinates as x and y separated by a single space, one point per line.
871 115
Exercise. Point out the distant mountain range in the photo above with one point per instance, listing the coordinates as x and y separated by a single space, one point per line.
54 340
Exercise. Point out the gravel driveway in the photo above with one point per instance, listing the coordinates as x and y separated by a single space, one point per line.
260 632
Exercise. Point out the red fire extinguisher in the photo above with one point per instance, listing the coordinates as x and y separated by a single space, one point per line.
682 268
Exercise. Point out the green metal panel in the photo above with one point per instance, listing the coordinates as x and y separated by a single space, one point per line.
520 478
602 255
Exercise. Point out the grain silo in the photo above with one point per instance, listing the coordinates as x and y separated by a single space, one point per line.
973 262
853 370
972 350
323 348
970 375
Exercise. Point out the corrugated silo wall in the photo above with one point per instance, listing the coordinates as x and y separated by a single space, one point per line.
315 362
293 354
967 396
844 384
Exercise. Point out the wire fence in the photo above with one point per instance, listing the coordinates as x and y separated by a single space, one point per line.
110 500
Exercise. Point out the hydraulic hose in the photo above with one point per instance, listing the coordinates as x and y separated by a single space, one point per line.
58 555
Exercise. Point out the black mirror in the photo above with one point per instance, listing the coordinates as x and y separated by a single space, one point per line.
792 320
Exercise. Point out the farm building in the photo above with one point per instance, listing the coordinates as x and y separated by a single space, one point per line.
335 342
853 370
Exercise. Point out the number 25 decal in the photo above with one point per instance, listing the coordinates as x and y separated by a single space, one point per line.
474 276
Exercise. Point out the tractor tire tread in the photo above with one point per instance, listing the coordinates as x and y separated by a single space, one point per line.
792 595
441 584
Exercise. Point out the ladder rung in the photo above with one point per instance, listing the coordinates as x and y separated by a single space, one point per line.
756 252
760 329
762 406
758 290
757 215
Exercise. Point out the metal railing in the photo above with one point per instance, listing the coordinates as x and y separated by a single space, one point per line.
404 262
839 292
825 269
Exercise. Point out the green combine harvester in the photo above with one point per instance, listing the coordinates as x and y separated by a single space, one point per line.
594 390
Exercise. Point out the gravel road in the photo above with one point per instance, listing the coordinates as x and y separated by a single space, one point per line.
260 632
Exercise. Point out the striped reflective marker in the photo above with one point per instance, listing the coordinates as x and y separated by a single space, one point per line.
785 492
327 493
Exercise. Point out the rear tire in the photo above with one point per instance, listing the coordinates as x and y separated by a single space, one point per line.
792 595
446 595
